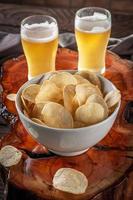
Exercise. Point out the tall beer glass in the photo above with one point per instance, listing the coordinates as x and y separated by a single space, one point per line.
39 35
92 30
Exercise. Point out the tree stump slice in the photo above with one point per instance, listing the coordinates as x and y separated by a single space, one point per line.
108 165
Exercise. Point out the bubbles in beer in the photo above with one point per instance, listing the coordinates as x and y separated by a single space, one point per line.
97 29
39 32
95 23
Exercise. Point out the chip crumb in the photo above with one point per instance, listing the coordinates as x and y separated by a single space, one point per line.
11 97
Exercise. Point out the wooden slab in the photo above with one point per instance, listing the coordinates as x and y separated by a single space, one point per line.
108 166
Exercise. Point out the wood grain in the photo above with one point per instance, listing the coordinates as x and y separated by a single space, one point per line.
108 165
11 16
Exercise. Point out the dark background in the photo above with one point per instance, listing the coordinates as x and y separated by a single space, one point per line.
13 11
119 5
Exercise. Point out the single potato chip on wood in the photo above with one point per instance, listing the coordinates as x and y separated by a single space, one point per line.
112 98
91 113
31 92
70 180
83 91
10 156
91 77
56 116
68 95
95 98
11 97
48 92
62 79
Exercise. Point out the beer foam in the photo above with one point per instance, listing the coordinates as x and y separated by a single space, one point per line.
95 17
96 23
39 32
99 16
40 25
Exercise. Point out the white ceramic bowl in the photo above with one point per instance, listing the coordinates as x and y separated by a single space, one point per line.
67 142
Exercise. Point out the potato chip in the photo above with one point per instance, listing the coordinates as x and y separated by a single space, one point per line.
31 92
55 115
26 114
49 92
75 103
80 79
68 95
61 102
63 78
38 121
91 77
50 74
25 106
111 109
95 98
11 97
83 91
10 156
112 98
70 180
37 109
91 113
78 124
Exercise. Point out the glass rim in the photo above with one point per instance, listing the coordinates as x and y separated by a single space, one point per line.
89 8
23 21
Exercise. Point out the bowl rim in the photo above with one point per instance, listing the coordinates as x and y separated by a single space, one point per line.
62 129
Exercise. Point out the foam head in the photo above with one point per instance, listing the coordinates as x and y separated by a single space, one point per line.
95 23
39 32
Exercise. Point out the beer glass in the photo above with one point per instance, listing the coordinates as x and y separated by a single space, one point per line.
39 36
92 31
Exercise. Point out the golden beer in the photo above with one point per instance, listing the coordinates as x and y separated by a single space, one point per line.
39 36
40 56
92 35
92 49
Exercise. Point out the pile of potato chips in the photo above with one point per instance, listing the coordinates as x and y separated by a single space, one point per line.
68 101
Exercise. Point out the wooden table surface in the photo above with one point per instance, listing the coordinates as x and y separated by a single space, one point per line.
108 165
11 16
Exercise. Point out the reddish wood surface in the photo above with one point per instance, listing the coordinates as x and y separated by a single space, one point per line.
108 166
